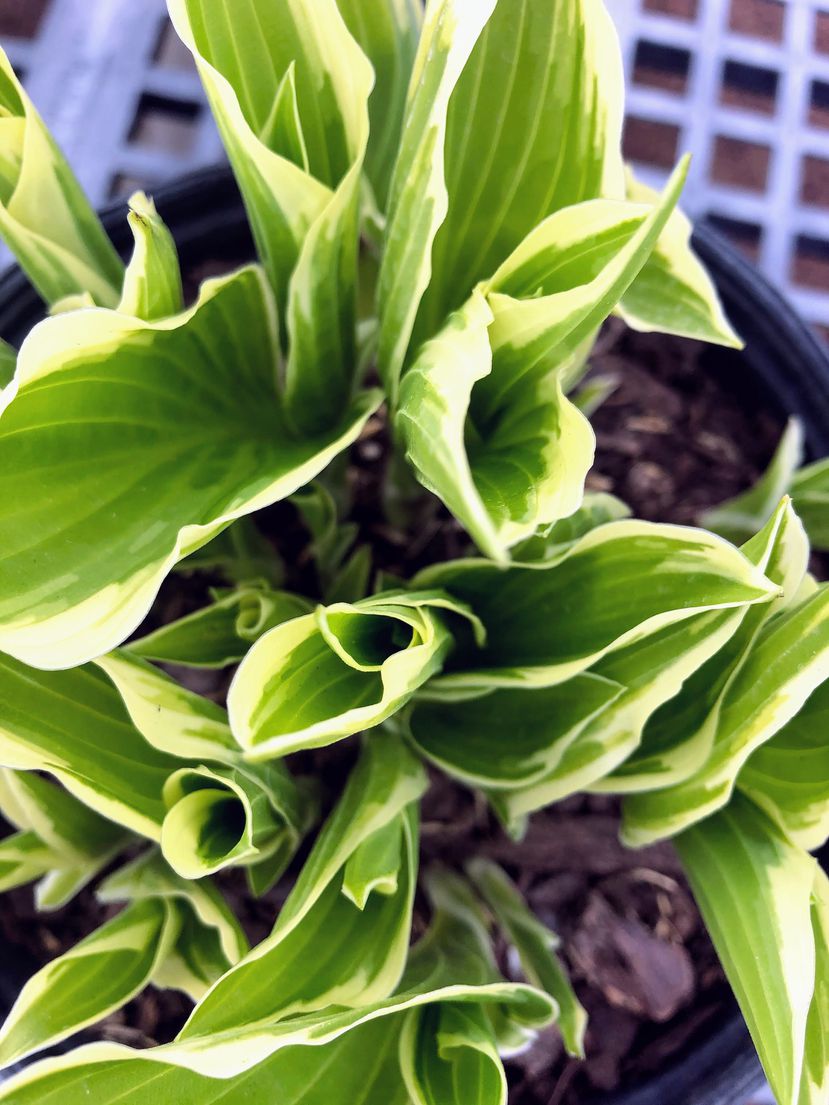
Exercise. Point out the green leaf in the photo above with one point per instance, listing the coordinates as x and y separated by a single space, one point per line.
8 363
763 901
150 878
448 1056
679 737
536 945
225 816
741 517
152 282
79 841
466 738
619 583
211 446
359 952
73 725
490 384
374 866
550 541
221 633
24 857
543 95
304 221
93 979
786 663
788 776
673 293
810 492
387 32
240 554
45 219
418 199
346 668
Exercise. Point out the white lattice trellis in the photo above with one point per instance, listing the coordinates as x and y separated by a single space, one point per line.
744 87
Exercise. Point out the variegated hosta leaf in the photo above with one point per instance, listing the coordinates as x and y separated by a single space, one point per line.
765 903
221 816
172 719
550 541
741 517
73 725
387 31
289 88
418 199
678 737
650 671
786 662
75 843
542 93
210 940
346 668
788 776
466 738
313 1059
810 493
673 293
152 282
182 424
536 945
448 1056
357 921
96 977
45 219
489 385
619 583
221 633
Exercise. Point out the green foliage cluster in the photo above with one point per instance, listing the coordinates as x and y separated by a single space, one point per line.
439 204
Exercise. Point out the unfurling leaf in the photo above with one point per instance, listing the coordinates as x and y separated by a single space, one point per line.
152 282
317 679
45 219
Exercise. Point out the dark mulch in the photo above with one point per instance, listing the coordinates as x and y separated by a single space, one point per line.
677 436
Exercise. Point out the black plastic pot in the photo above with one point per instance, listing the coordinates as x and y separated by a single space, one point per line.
782 358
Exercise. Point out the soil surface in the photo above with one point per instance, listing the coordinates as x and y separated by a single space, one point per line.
674 438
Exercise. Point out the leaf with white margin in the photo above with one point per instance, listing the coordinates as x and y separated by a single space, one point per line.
45 218
810 493
467 738
673 293
741 517
651 671
536 945
73 725
172 719
210 939
374 866
448 1056
224 816
787 661
304 220
788 776
490 386
116 420
542 93
418 199
619 583
24 857
80 842
359 953
221 633
152 282
765 904
346 668
388 32
94 978
549 541
678 738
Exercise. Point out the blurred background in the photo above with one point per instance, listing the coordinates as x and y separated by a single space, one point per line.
743 85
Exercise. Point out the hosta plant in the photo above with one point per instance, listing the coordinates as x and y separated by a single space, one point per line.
443 222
